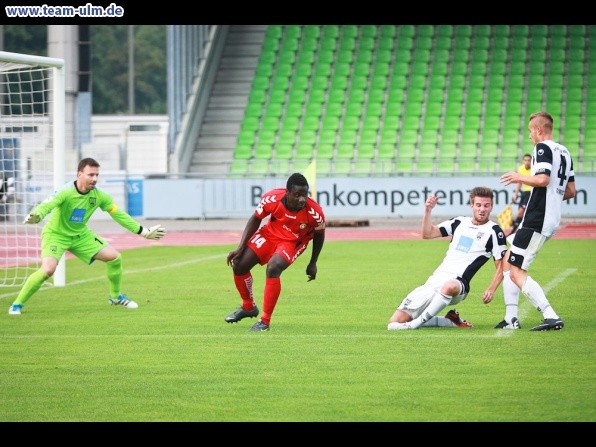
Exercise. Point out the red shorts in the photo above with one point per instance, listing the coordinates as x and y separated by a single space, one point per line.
266 246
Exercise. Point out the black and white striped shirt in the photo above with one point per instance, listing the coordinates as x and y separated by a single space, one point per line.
543 213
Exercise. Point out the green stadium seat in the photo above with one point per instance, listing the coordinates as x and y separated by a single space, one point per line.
238 168
450 135
300 164
428 150
511 137
342 167
411 123
386 151
578 42
451 123
389 136
325 151
431 123
292 32
263 151
324 167
270 123
408 137
369 132
473 110
384 166
468 151
315 110
406 150
394 108
247 132
557 55
426 166
365 151
387 31
447 151
345 151
330 123
351 122
243 152
348 136
538 30
283 152
470 136
330 31
290 123
405 166
328 135
384 54
577 30
371 123
310 123
304 149
492 122
573 108
489 151
389 123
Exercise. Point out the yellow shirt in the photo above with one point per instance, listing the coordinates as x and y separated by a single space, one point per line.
523 171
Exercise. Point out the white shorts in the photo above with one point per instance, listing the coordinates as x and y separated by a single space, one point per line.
419 298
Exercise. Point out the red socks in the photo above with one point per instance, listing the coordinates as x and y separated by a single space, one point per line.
272 291
244 287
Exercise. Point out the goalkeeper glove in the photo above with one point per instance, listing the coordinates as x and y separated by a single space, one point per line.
32 219
155 232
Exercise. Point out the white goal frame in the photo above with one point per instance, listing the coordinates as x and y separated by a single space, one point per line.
57 123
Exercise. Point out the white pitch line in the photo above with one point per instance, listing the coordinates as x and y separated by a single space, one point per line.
133 271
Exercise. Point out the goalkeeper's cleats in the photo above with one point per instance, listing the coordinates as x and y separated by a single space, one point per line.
155 232
453 315
241 313
15 309
123 300
513 325
550 324
259 326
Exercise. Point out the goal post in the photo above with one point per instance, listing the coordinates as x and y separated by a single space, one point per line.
32 157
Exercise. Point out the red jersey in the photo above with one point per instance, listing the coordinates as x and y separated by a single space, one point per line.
286 225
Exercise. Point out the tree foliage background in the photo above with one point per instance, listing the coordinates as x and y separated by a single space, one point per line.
109 64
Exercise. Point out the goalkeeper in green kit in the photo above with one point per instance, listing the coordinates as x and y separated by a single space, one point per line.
67 230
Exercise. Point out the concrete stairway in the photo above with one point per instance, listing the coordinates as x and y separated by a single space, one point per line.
227 101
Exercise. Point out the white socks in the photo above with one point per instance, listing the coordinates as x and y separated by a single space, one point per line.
438 322
437 304
511 297
537 297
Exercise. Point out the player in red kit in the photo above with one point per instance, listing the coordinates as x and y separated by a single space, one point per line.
294 220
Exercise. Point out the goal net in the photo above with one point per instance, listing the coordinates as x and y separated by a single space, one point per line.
32 140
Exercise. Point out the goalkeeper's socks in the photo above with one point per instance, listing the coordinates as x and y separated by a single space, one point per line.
32 285
114 271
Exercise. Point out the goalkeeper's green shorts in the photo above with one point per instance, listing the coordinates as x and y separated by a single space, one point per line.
85 246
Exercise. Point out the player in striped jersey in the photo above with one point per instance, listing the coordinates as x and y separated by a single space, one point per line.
474 240
294 220
552 181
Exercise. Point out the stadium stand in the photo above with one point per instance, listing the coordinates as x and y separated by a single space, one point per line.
425 100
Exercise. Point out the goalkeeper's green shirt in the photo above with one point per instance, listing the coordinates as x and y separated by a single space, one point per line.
71 210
